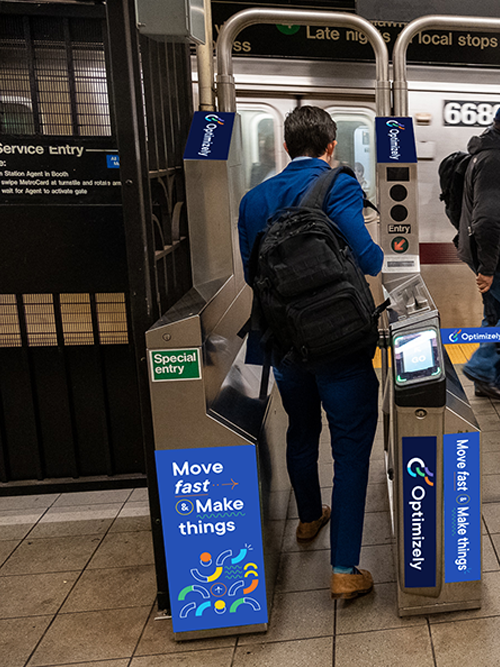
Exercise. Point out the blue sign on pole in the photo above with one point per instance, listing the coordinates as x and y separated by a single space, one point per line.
210 136
113 161
395 140
419 503
462 507
210 509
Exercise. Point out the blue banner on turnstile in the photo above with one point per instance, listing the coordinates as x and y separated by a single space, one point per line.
462 507
419 502
470 335
209 136
395 140
210 510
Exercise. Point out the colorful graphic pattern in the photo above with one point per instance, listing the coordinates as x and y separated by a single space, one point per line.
210 509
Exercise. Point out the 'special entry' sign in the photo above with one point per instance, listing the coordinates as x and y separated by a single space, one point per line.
210 509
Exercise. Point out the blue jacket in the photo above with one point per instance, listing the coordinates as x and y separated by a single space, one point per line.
344 206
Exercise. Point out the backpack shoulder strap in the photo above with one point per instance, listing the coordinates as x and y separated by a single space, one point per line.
316 194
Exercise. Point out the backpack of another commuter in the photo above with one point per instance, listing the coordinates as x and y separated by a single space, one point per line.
311 300
451 180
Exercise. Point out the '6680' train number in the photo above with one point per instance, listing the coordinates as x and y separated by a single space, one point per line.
470 114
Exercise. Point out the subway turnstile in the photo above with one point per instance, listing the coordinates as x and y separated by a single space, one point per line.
219 437
433 463
431 435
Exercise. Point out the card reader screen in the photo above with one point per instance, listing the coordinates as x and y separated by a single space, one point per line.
398 174
416 356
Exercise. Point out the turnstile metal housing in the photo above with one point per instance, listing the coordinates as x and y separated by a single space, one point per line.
435 414
219 439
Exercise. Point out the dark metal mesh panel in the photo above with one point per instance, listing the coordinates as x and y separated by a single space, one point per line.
166 78
53 76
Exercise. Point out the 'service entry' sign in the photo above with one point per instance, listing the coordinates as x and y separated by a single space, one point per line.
59 172
210 509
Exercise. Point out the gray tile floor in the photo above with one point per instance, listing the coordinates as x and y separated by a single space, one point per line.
77 587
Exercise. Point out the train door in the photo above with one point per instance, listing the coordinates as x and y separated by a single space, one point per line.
262 132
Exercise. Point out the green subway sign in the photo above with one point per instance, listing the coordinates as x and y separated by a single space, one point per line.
175 365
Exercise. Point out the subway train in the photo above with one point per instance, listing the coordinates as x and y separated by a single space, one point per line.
448 106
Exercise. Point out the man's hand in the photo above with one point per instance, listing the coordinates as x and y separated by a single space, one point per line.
483 282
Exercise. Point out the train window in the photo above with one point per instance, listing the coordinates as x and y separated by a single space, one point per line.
356 145
259 129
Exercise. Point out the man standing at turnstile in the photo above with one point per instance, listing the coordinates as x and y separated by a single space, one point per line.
479 247
346 388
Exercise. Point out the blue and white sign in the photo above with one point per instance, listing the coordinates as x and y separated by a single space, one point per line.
470 335
209 500
210 136
113 161
462 507
395 140
419 511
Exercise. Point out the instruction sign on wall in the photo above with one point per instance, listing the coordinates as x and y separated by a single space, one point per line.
210 509
55 171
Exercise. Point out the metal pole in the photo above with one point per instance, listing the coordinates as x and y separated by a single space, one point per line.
225 81
205 64
432 22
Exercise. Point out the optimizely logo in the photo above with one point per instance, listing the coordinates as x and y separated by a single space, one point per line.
395 128
417 467
213 118
213 123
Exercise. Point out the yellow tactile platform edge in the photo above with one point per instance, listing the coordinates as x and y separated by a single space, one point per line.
458 354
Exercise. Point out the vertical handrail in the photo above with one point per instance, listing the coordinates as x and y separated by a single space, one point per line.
431 22
225 80
205 64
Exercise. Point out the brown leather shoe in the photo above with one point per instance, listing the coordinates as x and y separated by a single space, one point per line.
347 586
307 531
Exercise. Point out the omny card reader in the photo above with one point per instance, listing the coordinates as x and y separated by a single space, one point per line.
433 464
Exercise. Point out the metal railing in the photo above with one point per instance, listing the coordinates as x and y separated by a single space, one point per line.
432 22
244 19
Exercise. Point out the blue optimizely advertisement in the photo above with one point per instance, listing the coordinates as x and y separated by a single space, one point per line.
209 136
419 498
395 140
210 509
462 507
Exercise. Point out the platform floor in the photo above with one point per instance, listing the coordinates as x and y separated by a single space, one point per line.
77 587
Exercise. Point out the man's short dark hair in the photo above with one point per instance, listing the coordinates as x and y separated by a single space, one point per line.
308 131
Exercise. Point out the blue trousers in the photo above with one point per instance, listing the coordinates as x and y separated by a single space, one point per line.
484 365
348 391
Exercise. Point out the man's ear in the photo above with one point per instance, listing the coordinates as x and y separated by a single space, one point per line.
330 148
285 147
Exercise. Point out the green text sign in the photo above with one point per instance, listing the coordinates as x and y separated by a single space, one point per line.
175 365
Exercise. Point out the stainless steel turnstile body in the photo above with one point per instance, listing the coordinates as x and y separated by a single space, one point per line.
433 464
219 436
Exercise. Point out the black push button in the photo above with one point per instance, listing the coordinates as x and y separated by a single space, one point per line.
399 213
398 192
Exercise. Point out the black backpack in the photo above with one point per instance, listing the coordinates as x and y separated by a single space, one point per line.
451 180
311 300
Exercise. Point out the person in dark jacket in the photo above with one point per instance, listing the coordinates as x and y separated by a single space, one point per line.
347 388
479 247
